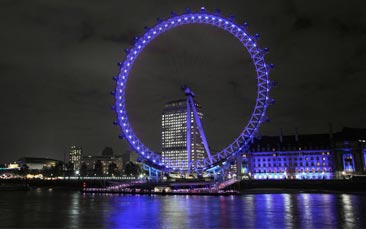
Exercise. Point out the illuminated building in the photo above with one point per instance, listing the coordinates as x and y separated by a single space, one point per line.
75 154
315 156
174 134
14 165
105 159
37 163
90 162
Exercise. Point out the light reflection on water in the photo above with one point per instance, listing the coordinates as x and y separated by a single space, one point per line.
57 208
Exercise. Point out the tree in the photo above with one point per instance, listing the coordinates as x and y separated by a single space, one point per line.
46 171
69 169
53 171
83 169
129 168
24 169
98 168
112 167
132 169
57 169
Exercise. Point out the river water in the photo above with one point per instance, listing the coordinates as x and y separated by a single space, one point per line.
71 209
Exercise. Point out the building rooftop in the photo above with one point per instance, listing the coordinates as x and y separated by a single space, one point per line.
39 160
306 141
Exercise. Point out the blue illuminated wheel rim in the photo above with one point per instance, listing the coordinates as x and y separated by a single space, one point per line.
263 85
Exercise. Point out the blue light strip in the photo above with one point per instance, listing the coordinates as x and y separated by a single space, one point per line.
298 176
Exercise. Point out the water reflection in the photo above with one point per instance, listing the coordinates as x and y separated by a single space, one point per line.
248 206
57 208
73 219
306 210
329 206
288 210
348 211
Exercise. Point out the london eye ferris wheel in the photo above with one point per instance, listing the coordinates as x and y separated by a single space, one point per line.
264 84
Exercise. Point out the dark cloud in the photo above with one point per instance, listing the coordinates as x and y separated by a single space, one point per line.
302 23
120 38
57 60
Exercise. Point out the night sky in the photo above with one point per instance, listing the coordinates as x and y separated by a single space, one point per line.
57 60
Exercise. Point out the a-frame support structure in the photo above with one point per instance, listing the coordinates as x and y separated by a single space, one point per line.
190 106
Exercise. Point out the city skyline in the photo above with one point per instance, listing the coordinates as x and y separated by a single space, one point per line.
58 61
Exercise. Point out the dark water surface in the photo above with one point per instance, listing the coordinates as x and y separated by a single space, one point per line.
71 209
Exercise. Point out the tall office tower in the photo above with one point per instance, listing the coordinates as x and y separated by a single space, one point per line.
75 154
174 134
